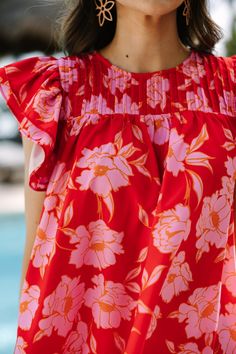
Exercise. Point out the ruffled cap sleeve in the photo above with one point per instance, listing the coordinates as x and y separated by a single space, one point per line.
32 90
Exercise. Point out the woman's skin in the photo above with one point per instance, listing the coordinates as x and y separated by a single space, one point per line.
146 37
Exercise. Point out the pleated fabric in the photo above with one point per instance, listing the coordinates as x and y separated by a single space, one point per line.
135 249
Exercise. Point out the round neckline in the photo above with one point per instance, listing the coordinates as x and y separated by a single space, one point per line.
109 64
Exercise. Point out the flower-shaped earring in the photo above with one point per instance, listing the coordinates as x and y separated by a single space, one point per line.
104 7
187 11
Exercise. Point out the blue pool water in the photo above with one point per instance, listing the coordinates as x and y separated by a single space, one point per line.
12 238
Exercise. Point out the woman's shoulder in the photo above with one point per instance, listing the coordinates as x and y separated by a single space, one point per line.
224 64
219 71
47 63
37 71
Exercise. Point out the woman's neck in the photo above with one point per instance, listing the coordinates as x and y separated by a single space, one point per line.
144 43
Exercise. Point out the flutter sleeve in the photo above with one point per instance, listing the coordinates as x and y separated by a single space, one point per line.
32 90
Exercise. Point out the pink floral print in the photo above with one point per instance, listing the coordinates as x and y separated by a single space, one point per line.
172 228
96 245
60 308
109 302
200 312
134 252
28 305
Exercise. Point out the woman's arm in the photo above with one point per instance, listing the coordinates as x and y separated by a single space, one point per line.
33 208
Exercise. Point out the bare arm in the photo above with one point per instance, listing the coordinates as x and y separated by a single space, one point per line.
33 208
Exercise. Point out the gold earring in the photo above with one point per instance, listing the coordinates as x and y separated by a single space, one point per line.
187 11
104 7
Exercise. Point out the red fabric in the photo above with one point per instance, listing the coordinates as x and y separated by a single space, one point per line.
135 249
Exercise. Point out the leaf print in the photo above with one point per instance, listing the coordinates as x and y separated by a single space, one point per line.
68 214
139 164
143 216
199 140
132 286
118 141
197 158
119 342
171 346
143 308
144 278
156 314
67 231
142 255
109 302
93 344
220 257
133 273
134 329
178 105
197 185
23 93
228 133
155 275
96 245
209 338
137 132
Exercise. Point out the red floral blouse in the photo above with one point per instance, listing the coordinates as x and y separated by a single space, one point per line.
135 249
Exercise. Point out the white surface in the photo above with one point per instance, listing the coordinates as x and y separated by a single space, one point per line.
11 155
11 198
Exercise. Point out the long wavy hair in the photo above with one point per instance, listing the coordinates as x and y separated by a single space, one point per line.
78 30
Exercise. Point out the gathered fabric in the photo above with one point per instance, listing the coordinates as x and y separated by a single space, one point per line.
135 251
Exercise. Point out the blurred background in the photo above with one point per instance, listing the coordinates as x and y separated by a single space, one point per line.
26 29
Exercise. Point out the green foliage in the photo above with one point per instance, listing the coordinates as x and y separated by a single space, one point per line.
231 43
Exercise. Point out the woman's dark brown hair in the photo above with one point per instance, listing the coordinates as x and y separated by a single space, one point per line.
80 31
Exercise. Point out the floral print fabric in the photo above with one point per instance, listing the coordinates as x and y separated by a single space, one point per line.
135 249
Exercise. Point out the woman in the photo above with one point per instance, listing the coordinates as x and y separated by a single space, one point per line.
130 174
